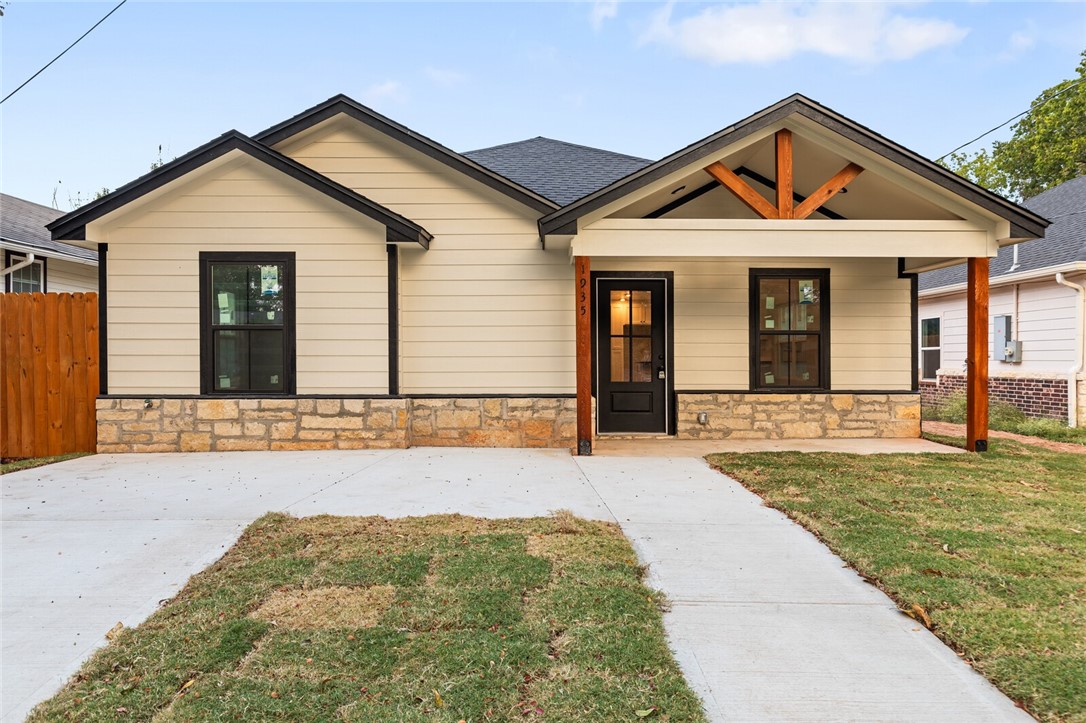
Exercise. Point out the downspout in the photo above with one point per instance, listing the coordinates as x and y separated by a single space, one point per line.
1072 374
21 265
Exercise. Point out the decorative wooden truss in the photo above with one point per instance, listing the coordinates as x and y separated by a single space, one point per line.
784 208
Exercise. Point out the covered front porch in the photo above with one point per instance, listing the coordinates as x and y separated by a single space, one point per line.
734 292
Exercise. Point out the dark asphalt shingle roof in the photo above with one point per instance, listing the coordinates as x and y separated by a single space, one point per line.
1064 241
560 171
23 222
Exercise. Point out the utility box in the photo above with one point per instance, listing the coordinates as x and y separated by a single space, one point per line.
1004 347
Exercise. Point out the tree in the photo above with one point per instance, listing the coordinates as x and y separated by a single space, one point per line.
1048 145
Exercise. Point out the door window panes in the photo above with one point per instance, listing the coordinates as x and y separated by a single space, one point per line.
631 336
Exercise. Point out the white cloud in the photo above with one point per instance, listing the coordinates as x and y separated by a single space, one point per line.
390 90
603 10
444 77
766 32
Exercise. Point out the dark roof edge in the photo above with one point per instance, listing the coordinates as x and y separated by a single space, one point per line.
1024 223
73 225
428 147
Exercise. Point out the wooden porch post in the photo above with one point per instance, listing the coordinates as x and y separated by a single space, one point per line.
976 360
583 292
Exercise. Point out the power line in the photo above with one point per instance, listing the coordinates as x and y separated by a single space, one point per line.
1028 110
122 2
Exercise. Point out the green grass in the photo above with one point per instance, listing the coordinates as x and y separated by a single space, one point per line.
450 619
21 464
1006 417
992 546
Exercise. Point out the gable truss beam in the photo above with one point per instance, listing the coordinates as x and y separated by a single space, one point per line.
784 185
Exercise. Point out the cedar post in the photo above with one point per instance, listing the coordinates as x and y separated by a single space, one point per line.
976 362
584 354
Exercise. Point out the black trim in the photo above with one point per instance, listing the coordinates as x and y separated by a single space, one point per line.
669 317
682 200
823 275
207 367
914 315
393 319
1024 223
103 319
73 225
38 259
802 390
348 106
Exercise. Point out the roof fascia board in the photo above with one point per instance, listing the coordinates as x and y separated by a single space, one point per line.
1007 279
51 253
341 104
1021 219
73 225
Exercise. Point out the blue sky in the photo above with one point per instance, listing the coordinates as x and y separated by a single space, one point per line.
635 77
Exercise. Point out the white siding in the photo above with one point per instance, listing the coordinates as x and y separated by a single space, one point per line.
68 276
484 309
153 281
870 326
1044 323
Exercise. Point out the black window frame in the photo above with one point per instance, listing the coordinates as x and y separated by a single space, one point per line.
207 310
14 257
823 332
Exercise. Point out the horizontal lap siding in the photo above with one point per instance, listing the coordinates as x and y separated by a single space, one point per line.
484 309
1045 326
153 294
68 276
869 320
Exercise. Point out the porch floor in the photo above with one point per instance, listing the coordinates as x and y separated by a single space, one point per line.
652 446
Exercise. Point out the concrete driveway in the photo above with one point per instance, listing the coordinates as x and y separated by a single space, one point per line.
766 623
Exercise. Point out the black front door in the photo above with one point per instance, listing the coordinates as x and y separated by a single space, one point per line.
631 355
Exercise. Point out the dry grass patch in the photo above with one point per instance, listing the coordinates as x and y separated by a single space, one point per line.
326 607
444 618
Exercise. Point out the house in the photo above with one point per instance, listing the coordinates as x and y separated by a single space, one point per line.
1036 323
341 281
32 260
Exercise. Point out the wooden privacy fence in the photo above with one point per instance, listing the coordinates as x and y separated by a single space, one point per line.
48 373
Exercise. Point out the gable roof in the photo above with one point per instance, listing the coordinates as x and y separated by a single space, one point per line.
399 229
347 106
22 223
1064 241
563 172
1024 223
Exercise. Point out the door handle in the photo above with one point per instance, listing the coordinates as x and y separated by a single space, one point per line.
660 373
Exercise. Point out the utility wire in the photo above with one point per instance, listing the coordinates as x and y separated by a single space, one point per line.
122 2
1028 110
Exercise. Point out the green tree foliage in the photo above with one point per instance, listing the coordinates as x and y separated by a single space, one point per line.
1048 145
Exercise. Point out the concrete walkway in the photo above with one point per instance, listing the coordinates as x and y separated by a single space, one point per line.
767 624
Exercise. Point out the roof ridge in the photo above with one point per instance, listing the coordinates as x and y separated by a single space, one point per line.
565 143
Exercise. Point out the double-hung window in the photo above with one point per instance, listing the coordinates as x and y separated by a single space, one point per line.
247 327
27 279
929 348
790 328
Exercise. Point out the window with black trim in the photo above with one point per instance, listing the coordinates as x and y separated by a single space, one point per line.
930 348
28 279
247 323
790 328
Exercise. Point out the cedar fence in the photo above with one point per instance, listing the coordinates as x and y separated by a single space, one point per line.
48 374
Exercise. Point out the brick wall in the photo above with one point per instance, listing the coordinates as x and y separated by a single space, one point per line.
798 416
1036 396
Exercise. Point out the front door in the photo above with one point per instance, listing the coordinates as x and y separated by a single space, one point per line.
631 355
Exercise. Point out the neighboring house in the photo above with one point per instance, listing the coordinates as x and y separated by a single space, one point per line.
54 265
341 281
1037 300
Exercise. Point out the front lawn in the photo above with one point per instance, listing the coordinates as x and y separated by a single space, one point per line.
991 546
16 465
444 618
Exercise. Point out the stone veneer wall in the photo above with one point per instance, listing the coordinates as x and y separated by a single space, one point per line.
1036 396
159 424
798 416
